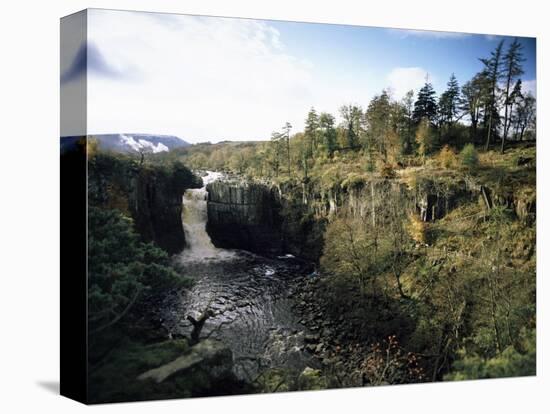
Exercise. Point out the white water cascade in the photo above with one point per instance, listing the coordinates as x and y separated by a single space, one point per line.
194 216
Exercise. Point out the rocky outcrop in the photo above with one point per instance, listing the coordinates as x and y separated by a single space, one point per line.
150 194
244 216
156 206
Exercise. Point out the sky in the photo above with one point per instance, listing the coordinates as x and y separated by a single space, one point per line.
214 79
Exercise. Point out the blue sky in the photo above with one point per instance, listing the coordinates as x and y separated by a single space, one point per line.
371 51
206 78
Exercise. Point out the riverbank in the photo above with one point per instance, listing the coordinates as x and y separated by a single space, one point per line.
345 345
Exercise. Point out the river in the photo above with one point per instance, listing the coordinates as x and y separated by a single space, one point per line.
250 296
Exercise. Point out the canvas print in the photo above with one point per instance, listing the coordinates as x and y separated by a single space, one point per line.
276 206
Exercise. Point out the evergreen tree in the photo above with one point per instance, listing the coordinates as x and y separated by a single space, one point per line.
425 106
311 131
493 71
513 69
326 124
449 102
276 152
352 115
286 135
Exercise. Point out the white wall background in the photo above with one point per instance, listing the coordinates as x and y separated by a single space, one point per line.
29 206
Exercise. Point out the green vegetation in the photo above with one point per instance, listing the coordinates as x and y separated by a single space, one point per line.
127 270
425 215
422 225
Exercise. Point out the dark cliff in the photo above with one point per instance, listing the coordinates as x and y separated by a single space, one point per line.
267 219
150 194
256 218
244 216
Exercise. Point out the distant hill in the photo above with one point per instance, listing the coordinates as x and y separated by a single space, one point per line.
130 143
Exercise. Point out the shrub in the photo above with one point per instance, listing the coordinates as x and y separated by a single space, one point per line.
447 158
418 230
387 171
469 157
509 363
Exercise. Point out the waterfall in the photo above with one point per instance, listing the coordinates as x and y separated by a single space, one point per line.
194 218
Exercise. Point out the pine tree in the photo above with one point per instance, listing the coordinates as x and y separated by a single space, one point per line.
311 131
326 124
425 106
352 115
493 71
449 101
286 135
513 69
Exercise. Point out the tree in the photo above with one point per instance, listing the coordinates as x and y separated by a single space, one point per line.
352 119
425 106
407 104
513 69
276 151
378 122
493 71
424 138
121 269
472 94
525 114
469 157
449 102
326 124
311 131
286 135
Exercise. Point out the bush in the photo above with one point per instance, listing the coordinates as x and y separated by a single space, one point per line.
509 363
447 158
418 230
469 157
387 171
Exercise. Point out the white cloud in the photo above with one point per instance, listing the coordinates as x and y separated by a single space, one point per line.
205 78
197 78
403 33
402 80
529 86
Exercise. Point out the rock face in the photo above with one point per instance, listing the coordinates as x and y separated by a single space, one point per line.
156 206
244 216
150 194
209 356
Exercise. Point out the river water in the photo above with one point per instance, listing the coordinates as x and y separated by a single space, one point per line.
249 295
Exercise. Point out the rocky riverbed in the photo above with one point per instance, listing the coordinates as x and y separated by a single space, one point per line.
332 341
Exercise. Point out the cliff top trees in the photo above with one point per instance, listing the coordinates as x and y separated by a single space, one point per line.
425 105
378 122
512 70
407 105
449 102
424 138
493 72
286 130
472 98
311 131
352 115
326 124
525 115
275 152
